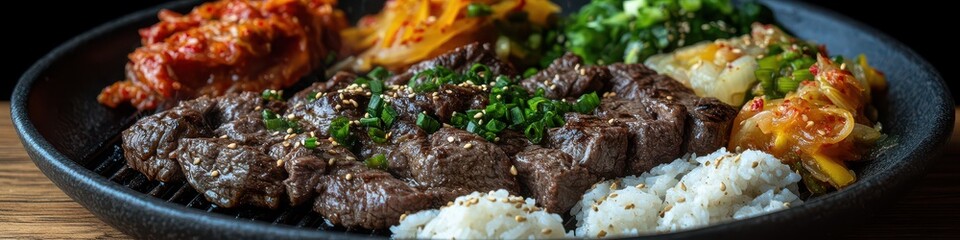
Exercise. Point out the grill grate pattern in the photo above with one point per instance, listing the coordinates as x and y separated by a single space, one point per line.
110 163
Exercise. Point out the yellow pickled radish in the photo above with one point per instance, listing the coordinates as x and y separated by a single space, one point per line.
839 175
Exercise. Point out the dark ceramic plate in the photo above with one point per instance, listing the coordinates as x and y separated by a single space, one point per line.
73 140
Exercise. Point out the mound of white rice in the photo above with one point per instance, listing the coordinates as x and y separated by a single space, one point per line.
482 216
687 193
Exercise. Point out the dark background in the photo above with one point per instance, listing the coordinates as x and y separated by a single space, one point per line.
920 25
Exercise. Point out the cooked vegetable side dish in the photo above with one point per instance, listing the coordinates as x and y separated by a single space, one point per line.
498 119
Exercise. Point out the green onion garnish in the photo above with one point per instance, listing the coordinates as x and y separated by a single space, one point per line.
340 131
310 143
478 10
427 123
388 115
377 135
378 161
272 95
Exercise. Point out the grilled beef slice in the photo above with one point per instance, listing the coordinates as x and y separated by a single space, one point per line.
229 174
149 143
352 195
459 60
596 144
656 130
553 177
454 162
567 77
708 120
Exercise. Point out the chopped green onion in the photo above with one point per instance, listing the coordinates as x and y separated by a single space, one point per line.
370 122
267 114
587 103
802 75
427 123
340 131
375 106
478 10
272 95
516 116
495 126
534 132
376 87
496 110
388 115
785 84
275 124
459 120
310 143
473 127
377 135
378 161
379 73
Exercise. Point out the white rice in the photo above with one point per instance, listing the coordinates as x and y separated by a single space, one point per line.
482 216
687 193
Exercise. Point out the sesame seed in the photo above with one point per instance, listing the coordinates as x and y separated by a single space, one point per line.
478 115
318 95
355 104
468 145
289 130
196 160
583 71
518 205
286 144
232 145
280 163
684 186
403 216
349 176
630 206
755 164
411 95
341 95
257 108
594 207
601 234
614 195
723 186
330 162
350 158
681 199
499 96
552 87
448 91
786 204
492 199
809 123
546 231
640 186
520 218
450 139
215 173
513 170
291 116
223 136
611 121
337 107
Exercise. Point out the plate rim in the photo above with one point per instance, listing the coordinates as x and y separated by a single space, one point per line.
52 162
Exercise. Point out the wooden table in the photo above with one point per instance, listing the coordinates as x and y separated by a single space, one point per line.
32 207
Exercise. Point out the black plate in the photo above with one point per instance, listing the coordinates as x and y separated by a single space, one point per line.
72 138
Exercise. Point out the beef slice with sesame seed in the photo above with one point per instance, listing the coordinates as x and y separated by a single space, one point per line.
596 144
708 120
467 164
231 176
553 177
459 60
352 195
567 77
656 130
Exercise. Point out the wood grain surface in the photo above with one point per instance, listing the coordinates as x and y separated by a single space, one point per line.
32 207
